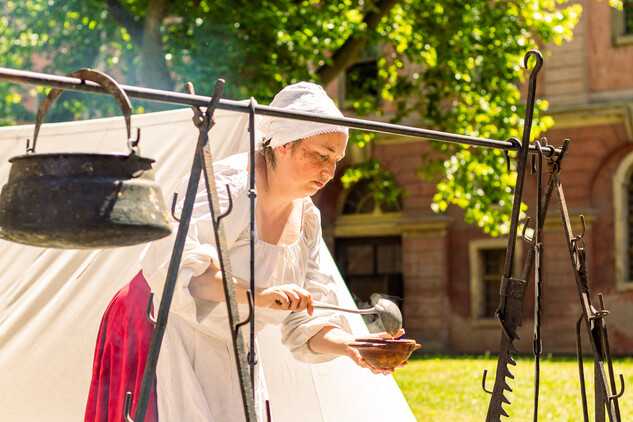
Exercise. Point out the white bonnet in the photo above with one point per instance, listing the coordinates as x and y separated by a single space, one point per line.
306 97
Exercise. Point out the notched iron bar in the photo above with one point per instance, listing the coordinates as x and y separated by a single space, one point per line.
192 100
512 291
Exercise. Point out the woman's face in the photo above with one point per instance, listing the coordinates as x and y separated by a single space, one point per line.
308 166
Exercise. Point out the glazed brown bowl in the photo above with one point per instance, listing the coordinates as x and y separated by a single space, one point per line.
385 353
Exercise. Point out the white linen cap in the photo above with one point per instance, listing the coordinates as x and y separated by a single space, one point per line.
306 97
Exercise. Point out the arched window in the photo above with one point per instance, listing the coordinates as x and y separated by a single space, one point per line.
360 200
623 223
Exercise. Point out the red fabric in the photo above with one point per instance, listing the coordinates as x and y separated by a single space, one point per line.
124 338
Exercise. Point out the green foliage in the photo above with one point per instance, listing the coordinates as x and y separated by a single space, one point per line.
448 388
469 56
454 64
382 184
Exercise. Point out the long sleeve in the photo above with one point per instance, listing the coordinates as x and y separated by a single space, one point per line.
299 327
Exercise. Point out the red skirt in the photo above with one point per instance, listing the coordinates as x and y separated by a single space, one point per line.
121 351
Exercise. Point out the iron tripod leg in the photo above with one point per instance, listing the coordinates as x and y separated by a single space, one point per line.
202 164
594 321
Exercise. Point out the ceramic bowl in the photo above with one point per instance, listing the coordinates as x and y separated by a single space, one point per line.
385 353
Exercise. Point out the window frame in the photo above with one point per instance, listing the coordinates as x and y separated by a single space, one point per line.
476 264
364 58
621 233
393 281
618 35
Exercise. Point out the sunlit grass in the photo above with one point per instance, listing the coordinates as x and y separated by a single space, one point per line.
449 388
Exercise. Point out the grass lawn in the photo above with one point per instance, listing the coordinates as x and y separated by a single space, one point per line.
448 388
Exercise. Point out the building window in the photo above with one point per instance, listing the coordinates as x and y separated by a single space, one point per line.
361 79
622 24
627 12
492 261
623 223
487 263
360 200
371 268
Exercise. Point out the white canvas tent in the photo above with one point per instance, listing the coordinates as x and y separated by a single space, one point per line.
52 300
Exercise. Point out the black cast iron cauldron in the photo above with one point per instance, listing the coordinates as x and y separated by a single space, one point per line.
83 200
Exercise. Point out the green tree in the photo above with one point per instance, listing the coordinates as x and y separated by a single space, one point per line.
455 64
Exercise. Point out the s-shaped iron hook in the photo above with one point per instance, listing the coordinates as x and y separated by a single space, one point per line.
531 94
539 62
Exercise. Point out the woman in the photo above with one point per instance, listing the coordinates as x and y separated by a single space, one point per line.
196 376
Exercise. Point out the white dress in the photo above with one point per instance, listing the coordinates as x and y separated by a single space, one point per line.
196 373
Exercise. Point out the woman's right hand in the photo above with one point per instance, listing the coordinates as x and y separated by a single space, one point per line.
286 297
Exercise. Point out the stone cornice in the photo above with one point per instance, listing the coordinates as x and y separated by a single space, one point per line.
594 114
390 224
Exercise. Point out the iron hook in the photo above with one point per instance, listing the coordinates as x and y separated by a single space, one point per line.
539 151
251 354
525 226
230 207
173 207
127 407
618 395
148 310
133 145
581 237
545 145
539 62
517 144
483 382
30 149
249 299
506 154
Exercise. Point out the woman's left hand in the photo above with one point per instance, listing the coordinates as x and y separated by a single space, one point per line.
356 357
360 361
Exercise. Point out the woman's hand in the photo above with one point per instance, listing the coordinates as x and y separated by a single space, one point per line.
286 297
336 341
356 357
360 361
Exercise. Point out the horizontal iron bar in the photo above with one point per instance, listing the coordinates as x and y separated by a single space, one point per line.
64 82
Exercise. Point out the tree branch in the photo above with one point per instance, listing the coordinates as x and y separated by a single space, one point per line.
347 55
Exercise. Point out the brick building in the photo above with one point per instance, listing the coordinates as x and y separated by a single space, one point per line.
447 272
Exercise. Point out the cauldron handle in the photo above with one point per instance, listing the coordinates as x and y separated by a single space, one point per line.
106 81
